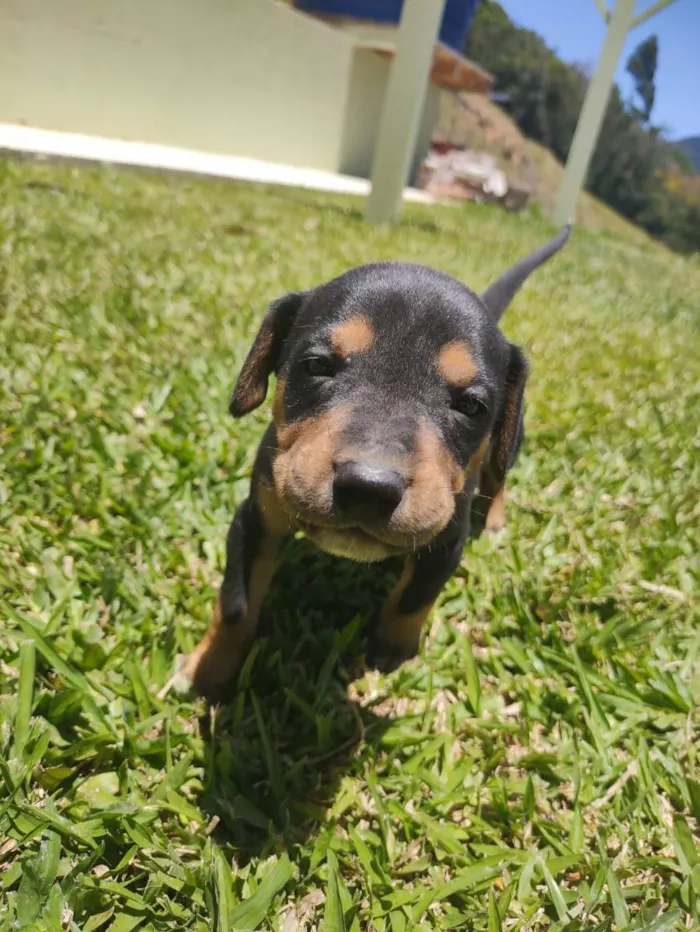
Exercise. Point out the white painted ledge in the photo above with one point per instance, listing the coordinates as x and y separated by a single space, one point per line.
49 143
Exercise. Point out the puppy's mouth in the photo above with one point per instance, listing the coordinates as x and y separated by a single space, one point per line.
354 541
350 541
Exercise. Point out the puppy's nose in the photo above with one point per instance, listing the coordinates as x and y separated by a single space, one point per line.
365 490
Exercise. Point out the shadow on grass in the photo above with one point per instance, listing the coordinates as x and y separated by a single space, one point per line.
277 752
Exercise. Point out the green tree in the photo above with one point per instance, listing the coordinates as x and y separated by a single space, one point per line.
641 65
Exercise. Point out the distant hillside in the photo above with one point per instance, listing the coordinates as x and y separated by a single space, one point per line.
631 161
475 122
691 147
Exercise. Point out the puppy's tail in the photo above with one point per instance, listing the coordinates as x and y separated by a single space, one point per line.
498 295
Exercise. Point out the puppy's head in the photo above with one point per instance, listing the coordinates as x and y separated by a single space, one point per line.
394 386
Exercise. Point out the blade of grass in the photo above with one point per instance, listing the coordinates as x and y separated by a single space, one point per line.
333 916
591 699
274 768
576 836
464 879
670 921
223 893
61 667
473 680
683 842
248 916
174 779
494 918
27 667
554 891
622 915
38 877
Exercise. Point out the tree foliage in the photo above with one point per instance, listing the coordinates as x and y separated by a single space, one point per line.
641 65
632 163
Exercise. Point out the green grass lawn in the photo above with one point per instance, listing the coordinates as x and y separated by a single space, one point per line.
536 768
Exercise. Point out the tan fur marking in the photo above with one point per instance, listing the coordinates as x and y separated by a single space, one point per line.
275 518
303 467
278 404
437 471
319 454
353 336
455 364
496 517
288 434
399 629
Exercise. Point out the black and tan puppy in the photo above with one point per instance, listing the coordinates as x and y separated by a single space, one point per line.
398 400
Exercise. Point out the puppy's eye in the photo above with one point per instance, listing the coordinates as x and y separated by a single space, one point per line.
320 366
468 405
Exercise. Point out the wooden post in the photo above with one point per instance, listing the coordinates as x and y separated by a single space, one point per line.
590 120
402 110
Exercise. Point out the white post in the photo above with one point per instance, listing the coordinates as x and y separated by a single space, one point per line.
593 111
651 11
403 106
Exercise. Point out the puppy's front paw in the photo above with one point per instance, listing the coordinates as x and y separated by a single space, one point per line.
496 527
387 657
496 516
209 669
194 673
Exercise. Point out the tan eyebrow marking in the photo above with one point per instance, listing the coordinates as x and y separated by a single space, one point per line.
455 364
353 336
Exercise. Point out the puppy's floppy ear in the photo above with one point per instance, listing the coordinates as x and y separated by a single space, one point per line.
508 430
265 354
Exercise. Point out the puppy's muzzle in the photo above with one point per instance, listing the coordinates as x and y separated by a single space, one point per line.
366 492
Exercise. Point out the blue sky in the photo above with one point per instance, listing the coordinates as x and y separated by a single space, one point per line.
575 30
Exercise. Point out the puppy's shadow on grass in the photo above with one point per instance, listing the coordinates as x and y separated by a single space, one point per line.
278 751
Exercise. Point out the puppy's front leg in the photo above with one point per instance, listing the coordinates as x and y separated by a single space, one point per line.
406 609
253 547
